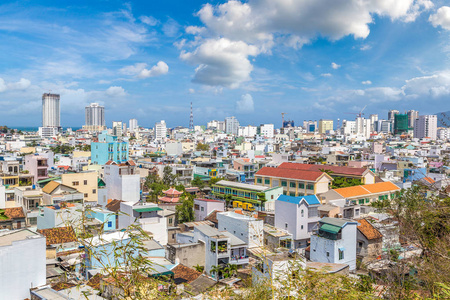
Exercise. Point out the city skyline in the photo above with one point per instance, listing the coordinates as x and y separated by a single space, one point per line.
149 61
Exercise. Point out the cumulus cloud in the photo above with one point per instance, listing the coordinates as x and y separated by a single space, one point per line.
366 82
20 85
191 91
258 23
221 62
140 70
115 91
326 75
441 18
245 104
335 66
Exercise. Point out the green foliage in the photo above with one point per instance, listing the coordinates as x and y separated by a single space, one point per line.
198 182
169 178
215 180
84 148
185 211
63 149
341 182
199 268
202 147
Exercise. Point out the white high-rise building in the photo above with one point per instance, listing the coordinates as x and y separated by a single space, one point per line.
267 130
412 116
363 127
117 128
50 110
391 115
160 130
373 122
348 127
133 125
247 131
212 124
232 125
426 126
94 117
443 134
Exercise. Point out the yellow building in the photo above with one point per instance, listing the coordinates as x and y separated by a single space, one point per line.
325 125
84 182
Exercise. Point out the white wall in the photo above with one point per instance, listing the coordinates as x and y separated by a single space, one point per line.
2 197
248 229
22 267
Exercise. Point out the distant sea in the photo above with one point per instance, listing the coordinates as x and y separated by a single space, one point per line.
31 129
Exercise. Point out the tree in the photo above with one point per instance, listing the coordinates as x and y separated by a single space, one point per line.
185 211
198 182
215 180
215 270
168 177
202 147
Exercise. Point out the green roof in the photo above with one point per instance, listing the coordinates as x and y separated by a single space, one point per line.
330 228
147 209
100 183
48 180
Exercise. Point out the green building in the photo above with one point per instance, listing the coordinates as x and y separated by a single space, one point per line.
401 123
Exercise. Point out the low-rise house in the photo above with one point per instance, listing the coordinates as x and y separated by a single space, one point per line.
244 165
12 218
369 240
203 207
335 242
22 262
275 238
105 218
258 197
55 193
189 254
59 215
246 228
298 216
85 182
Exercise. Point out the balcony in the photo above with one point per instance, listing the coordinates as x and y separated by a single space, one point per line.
241 260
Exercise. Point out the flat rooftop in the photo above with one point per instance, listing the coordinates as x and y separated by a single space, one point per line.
10 236
245 186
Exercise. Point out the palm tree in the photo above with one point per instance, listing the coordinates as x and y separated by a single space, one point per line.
199 268
215 270
230 270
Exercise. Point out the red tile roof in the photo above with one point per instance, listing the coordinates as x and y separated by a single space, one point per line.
14 213
59 235
335 169
169 199
290 173
172 192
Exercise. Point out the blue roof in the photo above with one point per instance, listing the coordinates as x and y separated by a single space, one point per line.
310 199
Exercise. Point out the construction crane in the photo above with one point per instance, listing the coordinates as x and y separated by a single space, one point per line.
282 119
357 114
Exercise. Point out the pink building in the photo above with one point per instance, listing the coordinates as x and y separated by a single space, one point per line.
203 207
37 166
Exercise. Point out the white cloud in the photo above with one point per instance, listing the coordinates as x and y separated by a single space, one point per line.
140 70
366 82
259 23
115 91
191 91
2 85
335 66
149 20
245 104
326 75
221 62
20 85
365 47
441 18
171 28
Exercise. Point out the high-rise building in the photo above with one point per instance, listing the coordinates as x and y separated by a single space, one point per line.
348 127
160 130
310 126
94 117
391 115
133 125
373 122
325 125
363 127
50 115
266 130
231 125
400 123
426 126
384 126
412 116
117 128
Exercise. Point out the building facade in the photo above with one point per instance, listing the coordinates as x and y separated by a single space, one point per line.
108 148
426 126
325 125
94 117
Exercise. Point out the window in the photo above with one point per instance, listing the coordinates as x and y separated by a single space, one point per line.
75 183
361 201
170 220
360 244
109 224
202 208
341 254
310 186
266 181
367 200
85 195
292 184
301 227
303 213
283 183
301 185
94 191
196 206
259 180
328 254
85 182
272 197
292 194
285 225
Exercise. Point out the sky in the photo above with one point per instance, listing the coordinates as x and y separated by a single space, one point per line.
311 59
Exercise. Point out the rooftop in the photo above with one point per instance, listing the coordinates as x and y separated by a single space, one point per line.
10 236
290 173
367 229
59 235
334 169
239 185
336 222
310 199
210 231
367 189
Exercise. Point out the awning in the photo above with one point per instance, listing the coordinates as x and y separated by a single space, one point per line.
330 228
147 209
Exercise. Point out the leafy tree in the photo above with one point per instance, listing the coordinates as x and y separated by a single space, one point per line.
198 182
214 180
168 177
202 147
185 211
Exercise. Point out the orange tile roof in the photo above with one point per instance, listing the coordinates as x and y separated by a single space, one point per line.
14 213
59 235
370 232
50 187
290 173
367 189
429 180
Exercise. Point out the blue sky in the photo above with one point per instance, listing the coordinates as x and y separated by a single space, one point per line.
149 59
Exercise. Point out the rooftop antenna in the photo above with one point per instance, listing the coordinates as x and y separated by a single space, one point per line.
191 120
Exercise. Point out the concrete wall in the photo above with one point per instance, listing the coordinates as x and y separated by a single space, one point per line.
206 207
248 229
89 189
22 267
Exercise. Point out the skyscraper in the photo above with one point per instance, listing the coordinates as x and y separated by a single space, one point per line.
133 125
325 125
50 110
426 126
160 131
95 117
117 128
391 115
231 125
412 116
50 115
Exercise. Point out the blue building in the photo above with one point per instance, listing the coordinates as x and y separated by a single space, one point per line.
108 148
105 217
